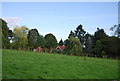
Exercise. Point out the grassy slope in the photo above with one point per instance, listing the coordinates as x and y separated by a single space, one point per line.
0 64
33 65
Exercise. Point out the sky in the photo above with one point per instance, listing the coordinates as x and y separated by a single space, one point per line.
59 18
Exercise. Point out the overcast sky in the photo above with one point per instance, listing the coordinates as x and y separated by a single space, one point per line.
60 18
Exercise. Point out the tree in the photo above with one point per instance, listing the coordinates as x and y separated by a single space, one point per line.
99 34
111 46
5 28
10 34
116 29
103 53
71 34
80 33
41 41
34 39
0 34
5 34
51 40
61 42
5 42
74 46
20 37
98 48
88 43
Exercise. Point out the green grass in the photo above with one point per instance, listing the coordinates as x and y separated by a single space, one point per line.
34 65
0 64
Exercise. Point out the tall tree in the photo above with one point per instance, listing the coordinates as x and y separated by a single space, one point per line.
88 43
51 40
111 46
99 34
20 37
73 45
33 39
98 48
0 33
71 34
5 34
80 33
10 34
61 42
41 41
116 29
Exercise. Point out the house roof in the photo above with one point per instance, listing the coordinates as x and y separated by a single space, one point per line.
61 47
51 48
39 47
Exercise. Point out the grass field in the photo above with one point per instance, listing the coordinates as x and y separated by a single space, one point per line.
34 65
0 64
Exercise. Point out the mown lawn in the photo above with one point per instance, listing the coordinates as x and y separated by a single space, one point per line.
0 64
34 65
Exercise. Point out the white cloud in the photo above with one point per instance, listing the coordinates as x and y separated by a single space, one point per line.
12 21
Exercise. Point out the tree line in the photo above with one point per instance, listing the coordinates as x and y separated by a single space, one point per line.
78 43
98 45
